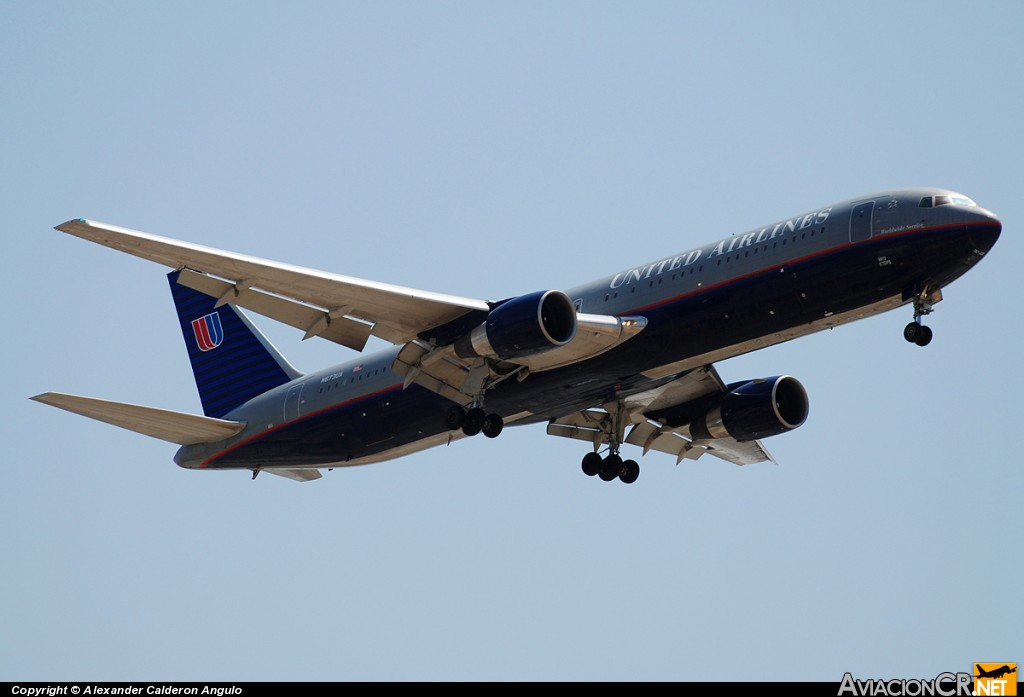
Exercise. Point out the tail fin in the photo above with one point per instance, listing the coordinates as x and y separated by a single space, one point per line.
231 360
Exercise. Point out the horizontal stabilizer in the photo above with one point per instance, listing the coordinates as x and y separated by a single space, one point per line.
173 426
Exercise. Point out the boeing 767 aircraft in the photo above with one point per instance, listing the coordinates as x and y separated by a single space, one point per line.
625 359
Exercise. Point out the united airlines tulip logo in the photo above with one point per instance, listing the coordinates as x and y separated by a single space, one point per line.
208 331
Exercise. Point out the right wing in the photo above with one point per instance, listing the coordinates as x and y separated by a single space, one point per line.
639 413
344 309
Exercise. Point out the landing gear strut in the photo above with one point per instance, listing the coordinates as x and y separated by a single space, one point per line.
473 421
612 466
916 332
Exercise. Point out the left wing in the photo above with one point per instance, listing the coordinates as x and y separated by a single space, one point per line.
344 309
639 413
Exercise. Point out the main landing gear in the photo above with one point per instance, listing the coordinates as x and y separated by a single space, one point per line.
610 467
473 421
612 431
916 332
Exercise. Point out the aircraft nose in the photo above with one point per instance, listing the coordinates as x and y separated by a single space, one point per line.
985 227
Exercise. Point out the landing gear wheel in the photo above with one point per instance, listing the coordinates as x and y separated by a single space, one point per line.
474 422
630 472
611 468
924 336
454 418
591 464
912 331
492 425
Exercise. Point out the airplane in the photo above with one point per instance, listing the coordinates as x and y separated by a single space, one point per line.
996 673
627 359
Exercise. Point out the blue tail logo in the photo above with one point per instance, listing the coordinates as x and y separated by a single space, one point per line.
245 364
208 331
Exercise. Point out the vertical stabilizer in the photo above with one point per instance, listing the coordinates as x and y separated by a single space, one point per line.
231 360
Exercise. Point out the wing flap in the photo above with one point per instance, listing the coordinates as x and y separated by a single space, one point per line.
737 453
595 436
679 443
438 370
398 314
331 325
173 426
296 474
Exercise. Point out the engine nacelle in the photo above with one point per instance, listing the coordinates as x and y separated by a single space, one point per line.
522 326
755 409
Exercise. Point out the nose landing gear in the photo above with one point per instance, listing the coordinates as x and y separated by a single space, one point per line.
916 332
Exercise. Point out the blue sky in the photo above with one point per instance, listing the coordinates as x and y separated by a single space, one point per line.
487 150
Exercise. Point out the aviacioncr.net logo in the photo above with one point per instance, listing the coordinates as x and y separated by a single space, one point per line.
943 685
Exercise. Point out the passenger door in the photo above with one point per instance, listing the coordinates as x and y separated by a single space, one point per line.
860 221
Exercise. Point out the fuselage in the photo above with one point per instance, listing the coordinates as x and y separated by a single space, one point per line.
825 267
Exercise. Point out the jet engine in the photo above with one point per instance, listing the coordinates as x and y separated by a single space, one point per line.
521 327
755 409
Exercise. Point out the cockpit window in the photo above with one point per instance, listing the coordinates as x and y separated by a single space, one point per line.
929 201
